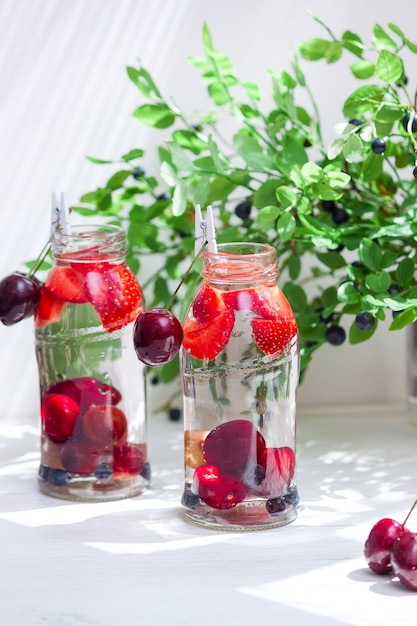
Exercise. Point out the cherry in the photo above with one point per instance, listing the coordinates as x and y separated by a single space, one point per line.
404 558
279 468
157 336
105 425
86 391
128 459
60 414
79 456
379 543
19 296
232 445
216 490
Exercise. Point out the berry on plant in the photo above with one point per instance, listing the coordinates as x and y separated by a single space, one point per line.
335 335
19 296
365 320
340 216
243 209
378 146
406 120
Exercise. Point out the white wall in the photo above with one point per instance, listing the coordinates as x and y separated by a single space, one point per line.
64 94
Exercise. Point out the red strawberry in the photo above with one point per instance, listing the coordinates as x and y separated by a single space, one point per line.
279 466
216 490
267 301
272 336
49 308
207 304
59 415
206 340
115 294
66 284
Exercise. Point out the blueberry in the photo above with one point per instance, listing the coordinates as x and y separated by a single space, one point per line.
155 380
365 320
328 205
43 472
58 477
103 471
190 499
378 146
275 505
254 474
174 414
335 335
394 289
415 172
138 172
405 121
163 196
243 210
340 216
291 497
146 472
356 122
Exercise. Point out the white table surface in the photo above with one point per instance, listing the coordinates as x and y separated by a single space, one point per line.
137 562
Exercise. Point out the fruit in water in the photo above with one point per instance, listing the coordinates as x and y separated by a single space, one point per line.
378 545
66 284
233 445
272 336
279 468
49 308
217 490
207 304
79 456
19 296
128 459
193 447
268 302
60 414
404 558
205 340
86 391
157 336
105 425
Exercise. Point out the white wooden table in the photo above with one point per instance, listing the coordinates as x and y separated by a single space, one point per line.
137 563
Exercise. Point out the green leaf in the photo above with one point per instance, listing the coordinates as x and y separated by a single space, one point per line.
405 271
180 159
335 148
296 296
286 196
266 193
358 336
117 180
179 199
372 167
331 259
155 115
346 292
294 266
363 69
315 49
133 154
188 139
219 93
353 43
389 67
404 319
352 149
268 213
382 39
252 91
168 174
370 254
286 226
363 100
99 161
378 282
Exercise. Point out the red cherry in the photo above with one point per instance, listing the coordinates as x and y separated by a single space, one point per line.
59 414
157 336
404 558
105 425
216 490
232 445
79 456
19 296
378 546
128 459
86 391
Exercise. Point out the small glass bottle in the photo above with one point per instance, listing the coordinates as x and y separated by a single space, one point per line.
92 386
239 366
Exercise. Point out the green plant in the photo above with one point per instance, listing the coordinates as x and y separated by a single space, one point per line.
344 221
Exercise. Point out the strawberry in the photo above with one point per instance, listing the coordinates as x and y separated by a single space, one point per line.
272 336
115 294
206 340
49 308
279 468
66 284
266 301
207 304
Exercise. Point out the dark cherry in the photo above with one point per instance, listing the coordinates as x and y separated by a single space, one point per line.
378 546
275 505
404 558
233 445
19 296
157 336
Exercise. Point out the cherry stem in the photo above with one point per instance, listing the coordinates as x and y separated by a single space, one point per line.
409 513
184 278
42 256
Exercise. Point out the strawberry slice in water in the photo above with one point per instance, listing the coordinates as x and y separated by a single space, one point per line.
115 294
49 308
205 340
272 336
67 284
266 301
207 304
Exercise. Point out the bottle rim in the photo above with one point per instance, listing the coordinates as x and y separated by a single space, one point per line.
89 242
240 262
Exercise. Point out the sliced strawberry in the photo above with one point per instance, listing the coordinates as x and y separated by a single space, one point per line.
206 340
115 294
207 304
272 336
279 469
266 301
66 284
49 308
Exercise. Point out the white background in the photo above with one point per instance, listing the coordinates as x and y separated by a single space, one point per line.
64 94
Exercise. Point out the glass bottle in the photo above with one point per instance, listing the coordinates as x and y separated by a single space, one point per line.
239 366
92 386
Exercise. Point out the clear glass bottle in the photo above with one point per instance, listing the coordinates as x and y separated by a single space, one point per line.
92 386
239 368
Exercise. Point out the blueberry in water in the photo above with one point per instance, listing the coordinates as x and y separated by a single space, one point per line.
103 472
291 497
19 296
44 472
58 477
365 320
174 414
243 209
335 335
275 505
254 474
146 472
190 499
378 146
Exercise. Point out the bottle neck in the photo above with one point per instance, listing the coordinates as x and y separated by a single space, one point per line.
240 263
90 243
